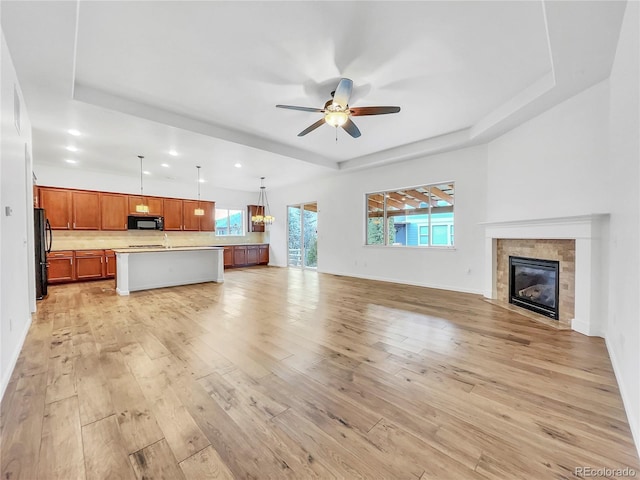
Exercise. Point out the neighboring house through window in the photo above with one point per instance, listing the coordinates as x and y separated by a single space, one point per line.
229 222
414 216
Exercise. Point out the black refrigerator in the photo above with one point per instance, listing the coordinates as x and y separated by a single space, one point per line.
43 241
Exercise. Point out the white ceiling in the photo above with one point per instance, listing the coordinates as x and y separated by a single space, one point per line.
203 78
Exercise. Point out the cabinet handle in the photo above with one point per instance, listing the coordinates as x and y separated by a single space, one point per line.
71 260
74 224
101 260
68 227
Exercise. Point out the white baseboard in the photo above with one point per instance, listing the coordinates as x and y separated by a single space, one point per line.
14 358
617 370
585 329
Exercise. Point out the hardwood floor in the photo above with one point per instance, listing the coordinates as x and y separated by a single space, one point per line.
283 373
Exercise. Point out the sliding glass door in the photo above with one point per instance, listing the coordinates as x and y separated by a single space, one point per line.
302 234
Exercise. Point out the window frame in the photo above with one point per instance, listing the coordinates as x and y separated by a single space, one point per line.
242 222
429 223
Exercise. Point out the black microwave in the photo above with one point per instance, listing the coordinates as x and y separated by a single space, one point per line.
136 222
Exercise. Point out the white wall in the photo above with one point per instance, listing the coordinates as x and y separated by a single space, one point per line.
341 222
582 157
17 287
71 177
555 164
623 180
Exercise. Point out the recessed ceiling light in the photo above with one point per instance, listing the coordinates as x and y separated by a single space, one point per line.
69 160
173 153
238 165
147 172
202 180
71 148
73 132
166 165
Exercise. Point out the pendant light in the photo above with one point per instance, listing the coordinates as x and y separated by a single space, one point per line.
199 212
141 207
263 214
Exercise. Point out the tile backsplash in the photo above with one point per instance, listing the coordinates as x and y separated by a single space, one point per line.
83 240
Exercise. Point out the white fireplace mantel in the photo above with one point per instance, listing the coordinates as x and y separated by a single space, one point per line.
591 283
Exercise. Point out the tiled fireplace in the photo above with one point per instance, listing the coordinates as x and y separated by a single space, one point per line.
575 243
560 250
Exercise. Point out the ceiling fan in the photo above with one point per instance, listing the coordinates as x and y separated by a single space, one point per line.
337 112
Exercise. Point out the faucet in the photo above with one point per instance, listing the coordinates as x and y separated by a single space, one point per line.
166 241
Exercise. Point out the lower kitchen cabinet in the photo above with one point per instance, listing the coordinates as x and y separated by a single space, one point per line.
253 254
89 264
264 254
78 265
239 256
228 257
109 263
246 255
61 268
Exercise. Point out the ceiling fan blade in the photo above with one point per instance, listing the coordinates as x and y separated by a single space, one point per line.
359 111
311 128
303 109
351 128
343 92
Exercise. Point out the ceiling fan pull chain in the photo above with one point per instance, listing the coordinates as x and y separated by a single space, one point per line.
336 134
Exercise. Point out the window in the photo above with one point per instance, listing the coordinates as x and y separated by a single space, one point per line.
415 216
423 234
229 222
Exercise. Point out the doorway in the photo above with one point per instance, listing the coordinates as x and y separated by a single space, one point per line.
302 235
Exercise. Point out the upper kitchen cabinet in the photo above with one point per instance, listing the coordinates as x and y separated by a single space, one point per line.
155 204
208 220
251 211
113 209
190 221
86 210
172 208
57 205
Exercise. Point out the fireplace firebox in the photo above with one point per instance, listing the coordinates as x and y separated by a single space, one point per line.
534 285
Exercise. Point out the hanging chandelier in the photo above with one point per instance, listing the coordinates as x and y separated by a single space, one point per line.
263 213
141 207
199 212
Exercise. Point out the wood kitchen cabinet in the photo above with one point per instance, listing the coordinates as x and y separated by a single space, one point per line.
208 220
254 227
61 267
239 255
113 212
228 257
57 205
190 221
246 255
109 263
253 254
264 255
86 210
89 264
172 213
71 209
155 204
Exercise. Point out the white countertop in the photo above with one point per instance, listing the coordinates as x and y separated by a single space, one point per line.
162 249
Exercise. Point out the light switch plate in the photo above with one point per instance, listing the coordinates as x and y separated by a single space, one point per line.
8 211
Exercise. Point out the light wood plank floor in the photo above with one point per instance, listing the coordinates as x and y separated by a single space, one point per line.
289 374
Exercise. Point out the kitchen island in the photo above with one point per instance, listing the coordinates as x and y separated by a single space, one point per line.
158 267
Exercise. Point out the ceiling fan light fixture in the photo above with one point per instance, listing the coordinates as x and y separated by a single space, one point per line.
336 118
